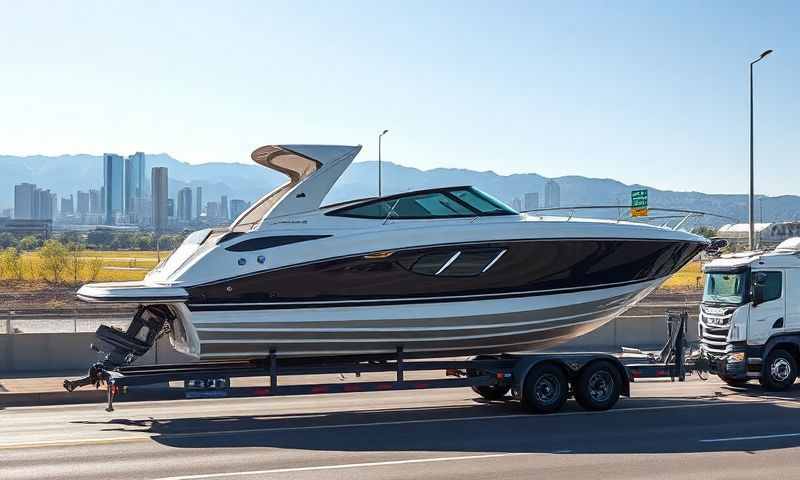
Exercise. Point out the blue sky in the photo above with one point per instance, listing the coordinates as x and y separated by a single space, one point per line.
643 92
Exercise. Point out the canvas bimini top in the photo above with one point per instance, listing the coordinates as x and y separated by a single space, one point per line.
312 171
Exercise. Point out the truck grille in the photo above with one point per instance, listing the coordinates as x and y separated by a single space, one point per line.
714 325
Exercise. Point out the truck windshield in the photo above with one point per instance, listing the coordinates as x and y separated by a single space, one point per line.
725 288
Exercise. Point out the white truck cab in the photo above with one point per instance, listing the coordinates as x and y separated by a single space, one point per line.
750 316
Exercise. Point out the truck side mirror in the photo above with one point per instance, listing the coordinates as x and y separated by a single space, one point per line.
759 279
758 295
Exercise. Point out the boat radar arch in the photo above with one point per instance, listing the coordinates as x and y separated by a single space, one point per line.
312 171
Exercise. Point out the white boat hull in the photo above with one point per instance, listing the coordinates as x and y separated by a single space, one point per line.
450 327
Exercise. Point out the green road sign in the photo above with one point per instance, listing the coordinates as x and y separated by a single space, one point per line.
639 203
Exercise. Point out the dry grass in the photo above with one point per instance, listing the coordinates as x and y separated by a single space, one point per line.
117 266
689 277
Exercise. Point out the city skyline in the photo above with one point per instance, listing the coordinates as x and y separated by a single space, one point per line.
127 196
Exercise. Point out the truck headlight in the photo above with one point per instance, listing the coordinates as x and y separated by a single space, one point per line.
736 357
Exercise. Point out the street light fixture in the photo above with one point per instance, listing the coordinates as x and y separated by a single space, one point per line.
379 161
751 236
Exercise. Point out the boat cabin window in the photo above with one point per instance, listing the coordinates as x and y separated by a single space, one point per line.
459 263
455 202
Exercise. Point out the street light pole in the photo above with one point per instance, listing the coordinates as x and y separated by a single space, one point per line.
379 162
751 236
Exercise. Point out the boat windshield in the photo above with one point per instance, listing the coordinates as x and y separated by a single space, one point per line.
725 288
443 203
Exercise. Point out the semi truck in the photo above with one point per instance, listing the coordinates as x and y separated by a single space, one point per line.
749 324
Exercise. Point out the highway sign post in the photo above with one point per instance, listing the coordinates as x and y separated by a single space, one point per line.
639 203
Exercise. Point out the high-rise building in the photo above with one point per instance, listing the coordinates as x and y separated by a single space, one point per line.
66 206
43 204
185 205
198 202
237 207
212 211
552 194
114 186
223 207
531 201
7 212
170 208
95 201
83 204
134 182
24 201
517 204
158 186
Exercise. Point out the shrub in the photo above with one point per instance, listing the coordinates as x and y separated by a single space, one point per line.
11 263
54 259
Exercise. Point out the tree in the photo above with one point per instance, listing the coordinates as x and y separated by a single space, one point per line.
99 239
11 263
29 243
71 237
54 259
75 262
122 241
8 240
704 231
144 242
93 267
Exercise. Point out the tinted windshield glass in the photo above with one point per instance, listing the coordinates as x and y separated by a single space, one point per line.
424 205
725 288
456 202
482 202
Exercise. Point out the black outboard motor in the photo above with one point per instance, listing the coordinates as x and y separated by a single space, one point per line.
122 348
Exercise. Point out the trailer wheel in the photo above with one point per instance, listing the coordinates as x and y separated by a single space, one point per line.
779 371
545 389
598 386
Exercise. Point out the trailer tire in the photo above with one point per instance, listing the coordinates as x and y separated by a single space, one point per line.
598 386
545 389
779 371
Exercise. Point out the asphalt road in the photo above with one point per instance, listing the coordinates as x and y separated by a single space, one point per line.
691 430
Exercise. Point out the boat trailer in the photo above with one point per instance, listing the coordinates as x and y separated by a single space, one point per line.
542 381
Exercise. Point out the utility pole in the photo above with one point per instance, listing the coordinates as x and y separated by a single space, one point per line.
751 236
380 182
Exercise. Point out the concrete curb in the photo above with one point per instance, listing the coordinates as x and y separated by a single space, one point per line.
86 396
30 399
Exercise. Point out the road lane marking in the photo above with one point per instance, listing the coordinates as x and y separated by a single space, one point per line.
130 439
343 466
754 437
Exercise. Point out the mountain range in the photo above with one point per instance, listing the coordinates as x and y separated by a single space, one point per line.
65 174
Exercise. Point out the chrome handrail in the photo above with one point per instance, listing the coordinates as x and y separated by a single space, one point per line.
687 213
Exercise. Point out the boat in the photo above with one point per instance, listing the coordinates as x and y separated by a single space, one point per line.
448 271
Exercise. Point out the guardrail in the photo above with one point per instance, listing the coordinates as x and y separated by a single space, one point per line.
28 322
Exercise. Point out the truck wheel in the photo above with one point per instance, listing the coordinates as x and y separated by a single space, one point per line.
779 371
598 386
491 392
545 389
